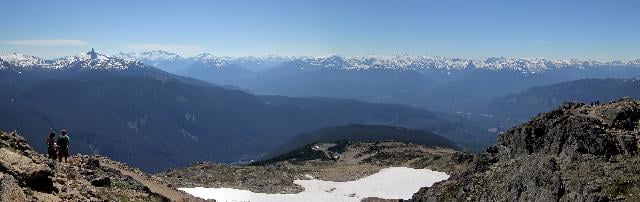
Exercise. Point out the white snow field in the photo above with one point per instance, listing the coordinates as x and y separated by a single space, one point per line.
388 183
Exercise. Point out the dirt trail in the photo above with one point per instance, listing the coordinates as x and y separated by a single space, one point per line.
155 187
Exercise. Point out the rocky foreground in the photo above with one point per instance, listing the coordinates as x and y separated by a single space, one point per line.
576 152
28 176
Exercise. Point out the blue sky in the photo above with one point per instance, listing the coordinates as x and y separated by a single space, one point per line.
583 29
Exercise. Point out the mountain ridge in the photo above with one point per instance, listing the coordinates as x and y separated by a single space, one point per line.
410 62
435 83
395 62
83 61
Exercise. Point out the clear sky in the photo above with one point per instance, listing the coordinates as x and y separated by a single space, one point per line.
585 29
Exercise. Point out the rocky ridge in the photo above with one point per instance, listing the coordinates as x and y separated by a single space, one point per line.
576 152
26 175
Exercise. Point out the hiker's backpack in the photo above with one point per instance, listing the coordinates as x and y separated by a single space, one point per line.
63 141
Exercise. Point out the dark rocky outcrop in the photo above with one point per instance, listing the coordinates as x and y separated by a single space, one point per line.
102 181
576 152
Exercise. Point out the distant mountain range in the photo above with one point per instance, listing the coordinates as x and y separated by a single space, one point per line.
435 83
397 62
131 111
173 62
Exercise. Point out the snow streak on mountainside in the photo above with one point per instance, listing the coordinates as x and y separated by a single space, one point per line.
84 61
395 62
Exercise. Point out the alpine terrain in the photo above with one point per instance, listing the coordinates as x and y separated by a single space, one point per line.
320 101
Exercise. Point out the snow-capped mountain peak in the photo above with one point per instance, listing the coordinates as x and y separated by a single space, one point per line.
204 56
94 60
211 60
329 61
156 55
83 61
21 60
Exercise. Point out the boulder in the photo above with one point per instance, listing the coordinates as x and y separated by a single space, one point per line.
35 175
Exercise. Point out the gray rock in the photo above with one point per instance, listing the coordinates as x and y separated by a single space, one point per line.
40 178
35 175
9 189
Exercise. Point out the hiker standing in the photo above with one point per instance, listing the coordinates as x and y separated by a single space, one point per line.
63 146
51 146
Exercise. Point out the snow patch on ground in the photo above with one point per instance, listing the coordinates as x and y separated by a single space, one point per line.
388 183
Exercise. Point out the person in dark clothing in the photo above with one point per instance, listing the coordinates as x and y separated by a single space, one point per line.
63 146
51 146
